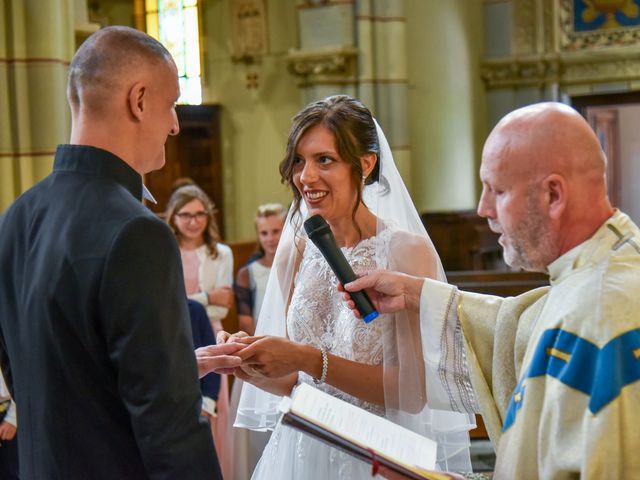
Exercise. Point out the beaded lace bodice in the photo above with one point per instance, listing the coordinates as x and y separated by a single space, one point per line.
318 315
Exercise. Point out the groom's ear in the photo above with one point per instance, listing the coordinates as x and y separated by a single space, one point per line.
368 162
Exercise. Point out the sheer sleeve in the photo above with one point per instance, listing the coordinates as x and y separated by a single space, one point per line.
243 292
411 251
258 409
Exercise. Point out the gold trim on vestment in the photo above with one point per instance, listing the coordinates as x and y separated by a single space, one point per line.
554 352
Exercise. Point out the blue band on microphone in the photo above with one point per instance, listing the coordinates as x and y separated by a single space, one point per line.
372 316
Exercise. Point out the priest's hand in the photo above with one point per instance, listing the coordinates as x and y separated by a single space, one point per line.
390 292
218 358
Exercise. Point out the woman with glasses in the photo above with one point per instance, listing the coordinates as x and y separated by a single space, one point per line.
208 276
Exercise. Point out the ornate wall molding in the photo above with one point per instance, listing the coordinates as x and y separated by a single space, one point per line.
335 65
547 26
536 70
599 67
549 15
571 68
524 32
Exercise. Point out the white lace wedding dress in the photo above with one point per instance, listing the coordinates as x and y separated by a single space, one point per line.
318 316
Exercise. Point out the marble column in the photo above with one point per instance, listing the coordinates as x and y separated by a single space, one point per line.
445 102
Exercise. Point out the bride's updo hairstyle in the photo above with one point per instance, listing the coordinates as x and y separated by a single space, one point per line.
355 133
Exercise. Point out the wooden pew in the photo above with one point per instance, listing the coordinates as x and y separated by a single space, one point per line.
464 241
497 282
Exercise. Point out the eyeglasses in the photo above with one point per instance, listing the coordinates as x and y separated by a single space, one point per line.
187 217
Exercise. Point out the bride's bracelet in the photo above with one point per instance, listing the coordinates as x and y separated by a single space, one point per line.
325 366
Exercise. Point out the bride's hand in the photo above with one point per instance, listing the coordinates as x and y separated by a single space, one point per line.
271 357
245 372
277 386
249 375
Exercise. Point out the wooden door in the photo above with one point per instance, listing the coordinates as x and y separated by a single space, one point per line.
194 153
602 111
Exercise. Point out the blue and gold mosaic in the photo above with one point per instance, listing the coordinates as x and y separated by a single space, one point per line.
595 15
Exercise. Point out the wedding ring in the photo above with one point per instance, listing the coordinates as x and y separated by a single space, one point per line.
249 370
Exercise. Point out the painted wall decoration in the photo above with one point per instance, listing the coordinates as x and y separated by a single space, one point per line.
589 15
588 24
249 29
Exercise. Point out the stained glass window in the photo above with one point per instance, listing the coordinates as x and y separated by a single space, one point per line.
175 24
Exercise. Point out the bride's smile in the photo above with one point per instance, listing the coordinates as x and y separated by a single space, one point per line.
326 182
322 177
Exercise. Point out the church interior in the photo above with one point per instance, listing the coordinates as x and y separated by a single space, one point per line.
437 75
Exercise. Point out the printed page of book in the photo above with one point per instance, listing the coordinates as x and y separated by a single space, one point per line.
364 428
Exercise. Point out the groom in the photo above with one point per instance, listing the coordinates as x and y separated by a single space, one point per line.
95 339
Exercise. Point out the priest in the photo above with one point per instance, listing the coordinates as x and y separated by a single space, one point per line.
554 372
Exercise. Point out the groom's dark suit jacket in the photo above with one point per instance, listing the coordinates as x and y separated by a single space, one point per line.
95 339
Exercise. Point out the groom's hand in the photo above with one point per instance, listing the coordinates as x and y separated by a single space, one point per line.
218 358
226 337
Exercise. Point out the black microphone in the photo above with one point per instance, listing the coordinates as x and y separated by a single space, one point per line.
321 235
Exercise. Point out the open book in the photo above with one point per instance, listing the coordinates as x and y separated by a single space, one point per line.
360 433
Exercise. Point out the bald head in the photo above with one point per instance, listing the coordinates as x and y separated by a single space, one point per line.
106 61
547 138
544 189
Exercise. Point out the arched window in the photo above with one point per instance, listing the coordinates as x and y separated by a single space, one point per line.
175 24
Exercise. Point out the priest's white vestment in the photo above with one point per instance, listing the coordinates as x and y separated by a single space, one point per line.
554 372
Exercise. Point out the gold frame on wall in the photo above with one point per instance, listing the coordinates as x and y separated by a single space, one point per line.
570 40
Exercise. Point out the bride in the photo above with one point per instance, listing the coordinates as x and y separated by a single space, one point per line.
339 165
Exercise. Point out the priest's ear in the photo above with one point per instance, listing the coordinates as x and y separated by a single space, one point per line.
137 100
555 191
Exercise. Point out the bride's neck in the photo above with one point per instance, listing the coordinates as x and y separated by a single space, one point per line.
345 231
